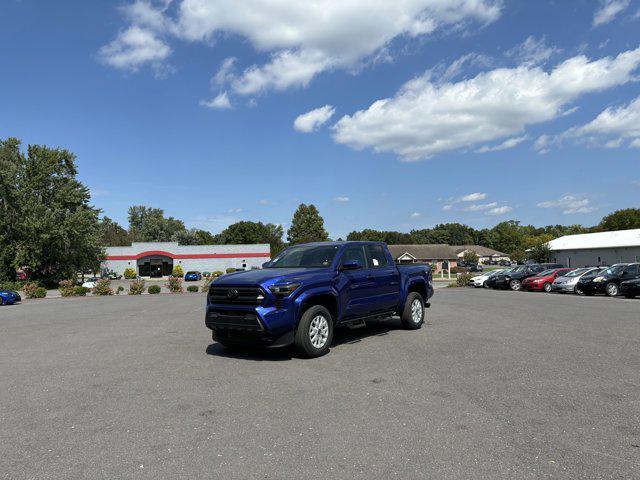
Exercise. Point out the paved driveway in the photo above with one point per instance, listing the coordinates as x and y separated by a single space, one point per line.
498 385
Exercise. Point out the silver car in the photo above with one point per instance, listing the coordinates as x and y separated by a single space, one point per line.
567 283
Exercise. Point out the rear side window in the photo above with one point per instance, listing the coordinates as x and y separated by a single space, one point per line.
354 253
633 270
376 256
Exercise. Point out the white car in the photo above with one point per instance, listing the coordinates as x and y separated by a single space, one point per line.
480 280
90 283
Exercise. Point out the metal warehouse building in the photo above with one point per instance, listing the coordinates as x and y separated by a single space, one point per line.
594 249
157 259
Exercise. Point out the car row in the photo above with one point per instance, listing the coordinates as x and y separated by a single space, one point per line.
619 279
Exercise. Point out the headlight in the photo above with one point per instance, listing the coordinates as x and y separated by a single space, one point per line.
598 279
284 289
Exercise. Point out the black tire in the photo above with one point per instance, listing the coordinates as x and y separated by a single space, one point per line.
407 313
515 285
612 290
303 335
547 287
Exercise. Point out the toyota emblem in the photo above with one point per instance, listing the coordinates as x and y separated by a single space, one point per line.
232 293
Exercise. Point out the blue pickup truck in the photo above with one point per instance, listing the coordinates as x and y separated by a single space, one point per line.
305 292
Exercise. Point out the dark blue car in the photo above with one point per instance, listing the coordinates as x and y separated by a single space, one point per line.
307 290
192 276
9 297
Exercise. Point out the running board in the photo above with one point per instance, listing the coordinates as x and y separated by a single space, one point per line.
360 322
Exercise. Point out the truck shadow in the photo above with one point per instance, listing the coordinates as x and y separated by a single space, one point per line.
341 336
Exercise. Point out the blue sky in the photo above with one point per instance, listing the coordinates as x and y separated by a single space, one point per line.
417 112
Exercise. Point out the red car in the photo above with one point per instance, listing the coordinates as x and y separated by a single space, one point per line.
543 280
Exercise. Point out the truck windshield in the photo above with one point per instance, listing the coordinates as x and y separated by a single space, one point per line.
310 256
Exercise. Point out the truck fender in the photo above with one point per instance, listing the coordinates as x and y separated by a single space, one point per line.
307 297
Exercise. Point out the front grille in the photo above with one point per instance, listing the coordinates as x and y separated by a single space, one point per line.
230 295
232 319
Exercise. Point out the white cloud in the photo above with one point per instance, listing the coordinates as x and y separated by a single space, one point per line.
447 207
478 207
509 143
608 10
426 118
234 210
341 199
226 71
264 202
569 204
532 51
612 128
311 121
499 210
133 48
473 197
306 38
221 102
415 215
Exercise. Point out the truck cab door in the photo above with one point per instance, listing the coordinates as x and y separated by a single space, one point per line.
357 286
386 277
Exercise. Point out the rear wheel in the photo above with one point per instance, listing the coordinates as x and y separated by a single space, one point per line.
413 312
612 289
515 285
315 332
546 287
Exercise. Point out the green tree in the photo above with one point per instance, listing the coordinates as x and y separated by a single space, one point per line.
148 224
10 163
55 232
625 219
507 237
540 251
470 256
253 232
112 234
307 226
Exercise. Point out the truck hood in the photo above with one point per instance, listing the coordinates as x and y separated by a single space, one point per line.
273 275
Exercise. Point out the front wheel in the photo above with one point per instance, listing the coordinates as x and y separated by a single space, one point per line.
515 285
547 287
315 332
413 312
612 289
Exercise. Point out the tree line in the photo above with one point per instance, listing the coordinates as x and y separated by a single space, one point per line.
49 227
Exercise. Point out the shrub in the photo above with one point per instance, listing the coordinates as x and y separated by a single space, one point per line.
206 284
30 290
119 290
217 273
17 286
231 270
129 273
174 284
177 271
81 291
103 287
463 280
136 287
193 289
40 292
67 288
154 289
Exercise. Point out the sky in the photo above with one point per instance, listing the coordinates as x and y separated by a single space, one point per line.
393 115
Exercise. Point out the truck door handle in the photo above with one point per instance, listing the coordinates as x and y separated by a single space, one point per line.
393 284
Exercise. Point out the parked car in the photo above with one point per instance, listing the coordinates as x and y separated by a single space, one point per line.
608 281
9 297
481 280
513 278
111 275
474 267
543 280
90 282
630 288
567 283
307 290
192 276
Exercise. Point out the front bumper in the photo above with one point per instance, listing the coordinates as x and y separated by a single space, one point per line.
629 289
563 287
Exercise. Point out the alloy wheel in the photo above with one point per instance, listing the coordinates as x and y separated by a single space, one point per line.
416 311
319 331
612 290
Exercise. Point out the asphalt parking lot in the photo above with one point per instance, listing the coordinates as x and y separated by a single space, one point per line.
498 385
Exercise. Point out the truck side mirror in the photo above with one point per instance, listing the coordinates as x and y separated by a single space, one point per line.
350 265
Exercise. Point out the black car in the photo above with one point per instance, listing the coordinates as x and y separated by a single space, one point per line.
630 288
608 282
492 281
513 278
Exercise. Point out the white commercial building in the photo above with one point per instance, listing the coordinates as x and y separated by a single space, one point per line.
595 249
157 259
